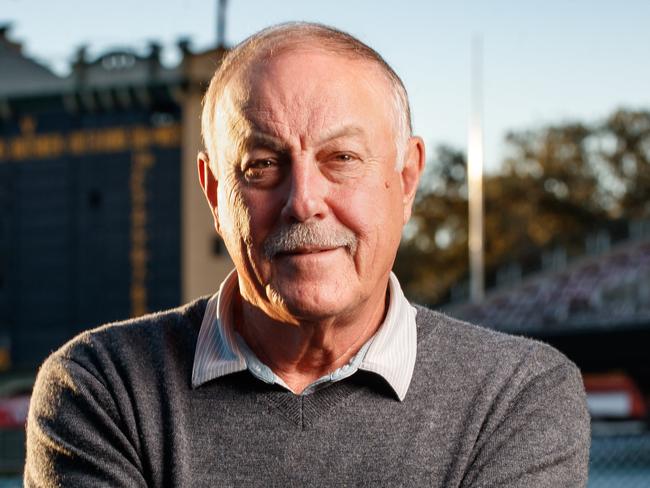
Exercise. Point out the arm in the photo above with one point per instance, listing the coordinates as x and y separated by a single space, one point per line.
75 436
539 432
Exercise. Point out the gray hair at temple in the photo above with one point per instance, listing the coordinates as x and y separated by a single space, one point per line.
270 42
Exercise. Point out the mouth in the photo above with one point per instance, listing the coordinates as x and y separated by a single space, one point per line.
305 251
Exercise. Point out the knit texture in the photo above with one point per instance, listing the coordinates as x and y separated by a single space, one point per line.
115 408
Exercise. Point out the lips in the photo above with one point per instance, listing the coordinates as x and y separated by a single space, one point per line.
305 251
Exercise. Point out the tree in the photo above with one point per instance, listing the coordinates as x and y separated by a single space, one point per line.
556 184
432 256
624 144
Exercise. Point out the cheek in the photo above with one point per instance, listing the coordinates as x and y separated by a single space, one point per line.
234 216
363 212
375 215
262 210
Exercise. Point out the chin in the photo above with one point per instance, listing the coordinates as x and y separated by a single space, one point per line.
309 307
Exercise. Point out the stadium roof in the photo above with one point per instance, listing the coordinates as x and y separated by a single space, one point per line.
118 68
20 74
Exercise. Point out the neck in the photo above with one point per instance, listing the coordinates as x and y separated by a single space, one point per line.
302 353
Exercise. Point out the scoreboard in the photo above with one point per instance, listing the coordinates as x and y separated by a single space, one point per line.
89 220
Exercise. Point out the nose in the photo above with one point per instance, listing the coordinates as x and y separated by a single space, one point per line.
306 197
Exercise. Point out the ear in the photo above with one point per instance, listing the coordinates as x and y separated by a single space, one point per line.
411 172
209 183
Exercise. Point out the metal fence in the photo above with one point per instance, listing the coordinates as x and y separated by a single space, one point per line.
620 461
12 451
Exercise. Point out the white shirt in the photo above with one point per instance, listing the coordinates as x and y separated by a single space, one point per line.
390 352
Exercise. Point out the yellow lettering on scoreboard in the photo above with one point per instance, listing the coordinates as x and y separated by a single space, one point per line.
77 143
141 162
113 140
167 136
140 138
30 145
48 146
19 149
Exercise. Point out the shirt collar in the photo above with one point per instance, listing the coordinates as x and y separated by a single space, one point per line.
390 353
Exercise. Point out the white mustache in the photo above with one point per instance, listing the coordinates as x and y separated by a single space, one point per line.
300 236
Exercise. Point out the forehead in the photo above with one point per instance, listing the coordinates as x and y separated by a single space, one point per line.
308 89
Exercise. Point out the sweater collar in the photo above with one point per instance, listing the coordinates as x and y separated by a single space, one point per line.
390 353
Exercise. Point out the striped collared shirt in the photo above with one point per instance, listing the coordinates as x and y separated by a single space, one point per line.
390 353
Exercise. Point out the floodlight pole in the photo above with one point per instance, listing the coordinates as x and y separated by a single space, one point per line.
221 23
475 179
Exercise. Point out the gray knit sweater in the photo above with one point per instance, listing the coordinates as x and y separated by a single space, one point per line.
114 408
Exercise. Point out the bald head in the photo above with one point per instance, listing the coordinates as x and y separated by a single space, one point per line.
267 44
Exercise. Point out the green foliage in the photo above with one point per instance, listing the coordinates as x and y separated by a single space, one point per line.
556 184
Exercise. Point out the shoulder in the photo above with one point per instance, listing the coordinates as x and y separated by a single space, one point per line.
478 346
97 398
141 343
521 401
466 361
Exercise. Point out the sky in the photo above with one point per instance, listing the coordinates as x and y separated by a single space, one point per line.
544 62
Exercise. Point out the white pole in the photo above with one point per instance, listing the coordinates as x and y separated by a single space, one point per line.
475 179
221 23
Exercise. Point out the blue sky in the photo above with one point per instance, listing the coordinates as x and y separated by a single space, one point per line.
544 61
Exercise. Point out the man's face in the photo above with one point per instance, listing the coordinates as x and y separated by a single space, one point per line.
309 201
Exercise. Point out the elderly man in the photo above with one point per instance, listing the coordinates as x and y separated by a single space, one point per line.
309 366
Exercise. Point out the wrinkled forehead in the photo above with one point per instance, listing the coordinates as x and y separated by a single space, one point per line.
307 58
301 84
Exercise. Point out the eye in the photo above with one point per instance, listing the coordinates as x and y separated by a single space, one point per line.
261 164
340 162
343 157
263 170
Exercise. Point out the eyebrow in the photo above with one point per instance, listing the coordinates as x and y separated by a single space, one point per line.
261 139
345 131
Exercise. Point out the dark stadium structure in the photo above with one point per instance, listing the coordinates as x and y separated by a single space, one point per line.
101 216
89 196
